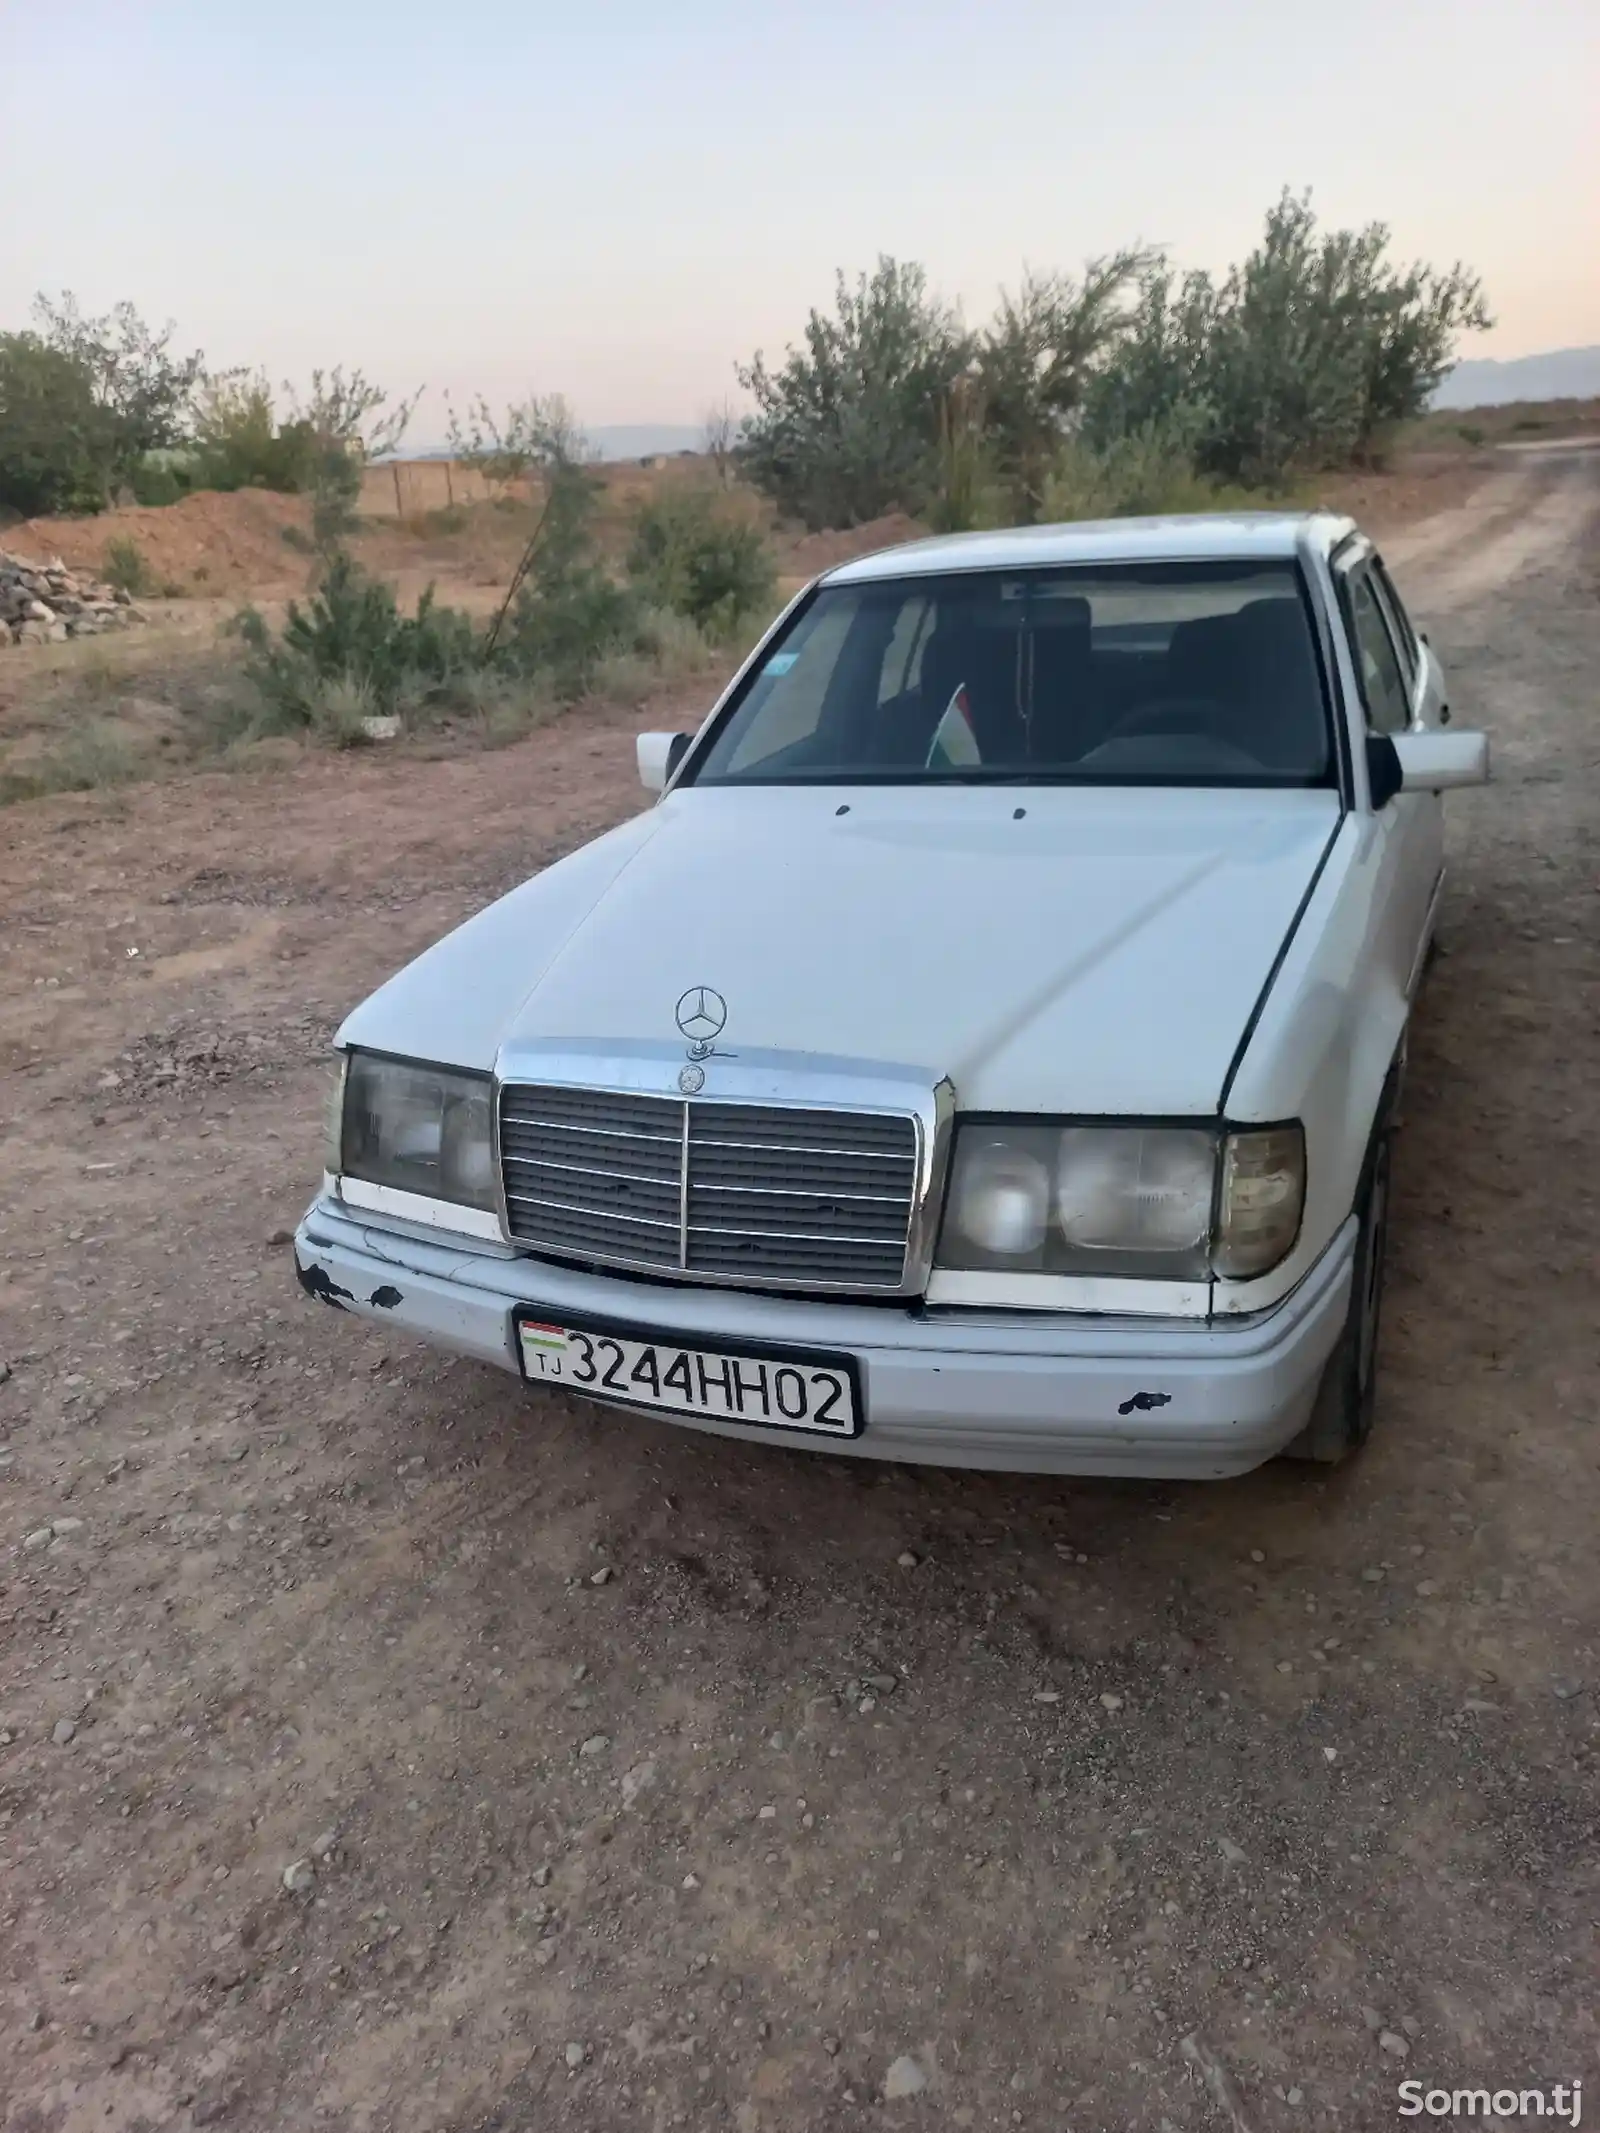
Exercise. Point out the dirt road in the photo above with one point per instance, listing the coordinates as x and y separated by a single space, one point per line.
772 1817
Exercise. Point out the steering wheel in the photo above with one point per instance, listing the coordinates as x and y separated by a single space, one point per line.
1173 714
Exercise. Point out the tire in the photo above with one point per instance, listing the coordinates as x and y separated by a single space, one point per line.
1341 1418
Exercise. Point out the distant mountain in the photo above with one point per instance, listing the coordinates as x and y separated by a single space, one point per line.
1562 374
638 440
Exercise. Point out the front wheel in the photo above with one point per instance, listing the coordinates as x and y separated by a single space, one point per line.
1341 1419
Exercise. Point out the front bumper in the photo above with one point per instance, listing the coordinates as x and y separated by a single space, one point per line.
1058 1394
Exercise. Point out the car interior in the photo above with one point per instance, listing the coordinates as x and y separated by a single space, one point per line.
1204 678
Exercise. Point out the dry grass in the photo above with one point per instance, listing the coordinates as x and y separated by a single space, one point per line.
175 696
104 710
1467 429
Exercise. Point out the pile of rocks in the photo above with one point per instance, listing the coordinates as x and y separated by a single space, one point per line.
45 603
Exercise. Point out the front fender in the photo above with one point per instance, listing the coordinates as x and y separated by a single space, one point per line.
1329 1032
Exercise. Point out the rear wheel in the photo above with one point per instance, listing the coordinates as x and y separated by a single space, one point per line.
1341 1419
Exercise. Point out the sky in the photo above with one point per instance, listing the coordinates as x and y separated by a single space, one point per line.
620 201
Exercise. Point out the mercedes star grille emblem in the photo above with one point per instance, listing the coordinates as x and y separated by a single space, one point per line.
701 1014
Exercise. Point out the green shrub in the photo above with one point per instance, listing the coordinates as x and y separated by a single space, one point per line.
569 614
240 442
447 519
83 402
689 554
503 706
161 478
563 633
338 707
124 566
847 428
351 631
52 442
677 645
1149 472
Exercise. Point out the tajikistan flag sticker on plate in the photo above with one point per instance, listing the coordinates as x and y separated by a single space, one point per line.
955 745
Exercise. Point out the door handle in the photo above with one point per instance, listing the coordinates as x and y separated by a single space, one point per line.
1444 714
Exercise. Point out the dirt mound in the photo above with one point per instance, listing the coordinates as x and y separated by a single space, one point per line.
825 551
204 544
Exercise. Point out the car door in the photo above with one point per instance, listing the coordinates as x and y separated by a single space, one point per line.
1424 678
1399 691
1417 657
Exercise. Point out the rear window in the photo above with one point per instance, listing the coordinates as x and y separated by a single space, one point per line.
1166 674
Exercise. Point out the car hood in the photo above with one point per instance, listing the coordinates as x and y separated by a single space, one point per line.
1045 949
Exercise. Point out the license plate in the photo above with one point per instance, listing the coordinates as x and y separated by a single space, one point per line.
765 1388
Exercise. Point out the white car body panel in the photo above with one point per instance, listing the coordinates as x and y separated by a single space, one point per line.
890 932
455 1002
1085 952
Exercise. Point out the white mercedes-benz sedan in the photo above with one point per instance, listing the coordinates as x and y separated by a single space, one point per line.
986 1048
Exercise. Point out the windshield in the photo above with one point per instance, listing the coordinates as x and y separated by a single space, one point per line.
1164 674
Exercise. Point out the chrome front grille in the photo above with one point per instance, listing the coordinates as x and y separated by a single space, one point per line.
769 1193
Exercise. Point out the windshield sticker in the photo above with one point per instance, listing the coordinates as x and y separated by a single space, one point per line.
780 662
955 745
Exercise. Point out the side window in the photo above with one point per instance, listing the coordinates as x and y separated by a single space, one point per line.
1398 621
1409 647
1383 685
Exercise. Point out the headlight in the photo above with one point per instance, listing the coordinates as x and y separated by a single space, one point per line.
999 1198
419 1129
1169 1203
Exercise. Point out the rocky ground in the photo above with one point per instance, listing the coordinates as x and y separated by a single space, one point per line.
45 603
385 1747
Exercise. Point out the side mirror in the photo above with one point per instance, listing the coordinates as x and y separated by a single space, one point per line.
659 756
1424 762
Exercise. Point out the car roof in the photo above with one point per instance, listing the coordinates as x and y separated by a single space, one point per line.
1207 536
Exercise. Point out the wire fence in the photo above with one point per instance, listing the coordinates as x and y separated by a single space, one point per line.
406 488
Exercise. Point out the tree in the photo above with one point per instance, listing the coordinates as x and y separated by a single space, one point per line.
720 431
141 390
1304 357
534 435
847 428
1159 366
241 443
691 551
53 444
1038 360
348 421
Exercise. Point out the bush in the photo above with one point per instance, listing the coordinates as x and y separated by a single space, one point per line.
1305 357
240 442
677 646
83 403
351 632
569 614
690 555
161 478
1137 477
51 431
848 428
125 567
